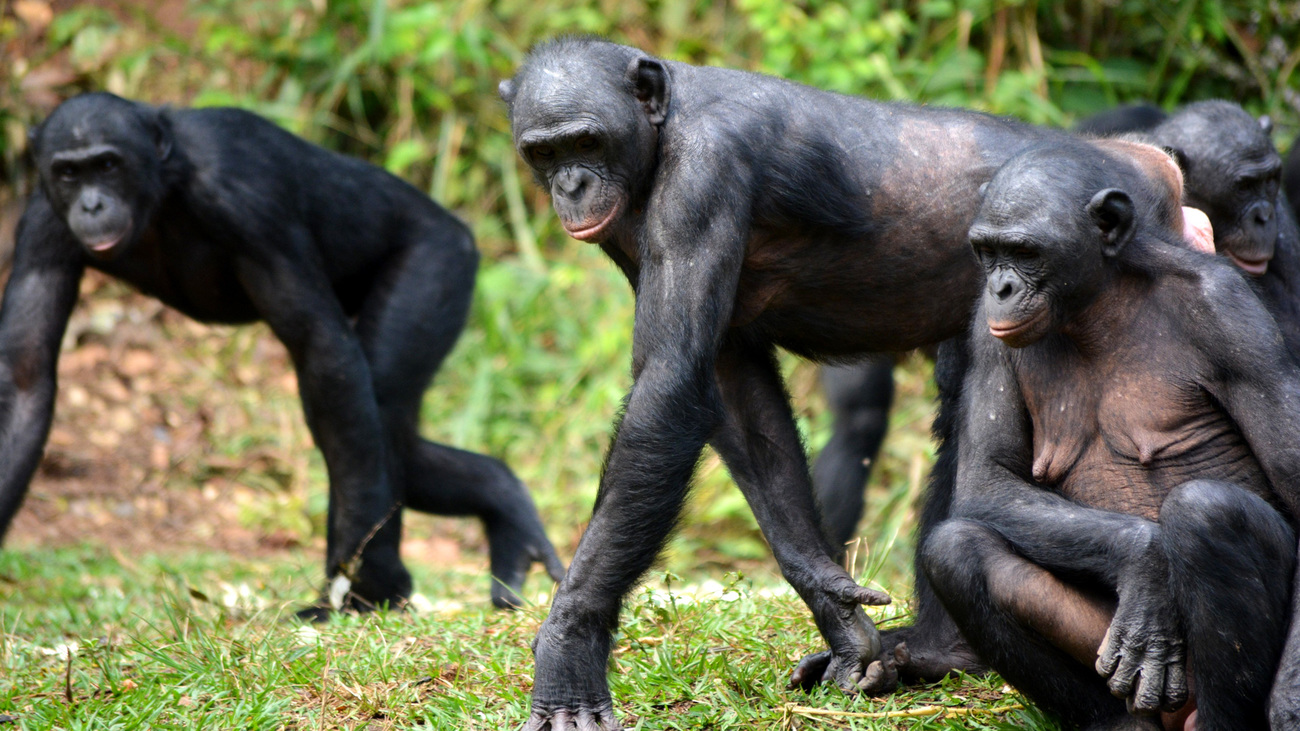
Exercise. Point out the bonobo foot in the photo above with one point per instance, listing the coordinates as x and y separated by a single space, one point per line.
921 661
513 547
379 580
853 639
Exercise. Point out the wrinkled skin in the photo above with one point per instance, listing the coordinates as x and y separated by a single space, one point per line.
1125 472
747 213
230 219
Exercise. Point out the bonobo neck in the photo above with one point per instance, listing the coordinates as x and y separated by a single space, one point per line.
1106 318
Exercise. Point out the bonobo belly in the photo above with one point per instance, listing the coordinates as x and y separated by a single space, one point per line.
1134 472
827 297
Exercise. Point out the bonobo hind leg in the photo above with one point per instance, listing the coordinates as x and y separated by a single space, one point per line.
407 325
1284 701
760 445
859 396
932 646
1034 630
1231 558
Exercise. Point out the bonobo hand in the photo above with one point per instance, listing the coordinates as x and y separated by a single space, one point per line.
1143 655
569 688
853 661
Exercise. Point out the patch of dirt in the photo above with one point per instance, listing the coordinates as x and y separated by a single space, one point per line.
173 435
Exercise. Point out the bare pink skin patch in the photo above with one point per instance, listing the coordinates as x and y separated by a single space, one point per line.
1197 230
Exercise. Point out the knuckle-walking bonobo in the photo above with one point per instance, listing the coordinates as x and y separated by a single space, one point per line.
748 213
230 219
1123 527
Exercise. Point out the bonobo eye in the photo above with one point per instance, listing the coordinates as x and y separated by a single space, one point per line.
542 153
64 172
107 164
586 143
1022 254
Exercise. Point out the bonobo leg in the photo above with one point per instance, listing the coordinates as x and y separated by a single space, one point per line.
760 444
859 396
1231 558
1284 702
1225 548
407 325
1001 602
932 646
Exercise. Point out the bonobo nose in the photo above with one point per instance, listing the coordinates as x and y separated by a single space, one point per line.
1003 286
1263 213
92 203
572 182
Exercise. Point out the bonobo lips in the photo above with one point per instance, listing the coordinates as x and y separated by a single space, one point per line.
590 233
1002 331
1253 267
105 245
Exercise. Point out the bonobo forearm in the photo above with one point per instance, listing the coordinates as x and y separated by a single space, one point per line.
647 471
1058 534
25 416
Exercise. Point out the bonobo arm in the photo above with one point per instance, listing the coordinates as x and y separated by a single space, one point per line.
689 264
1143 656
37 301
291 291
1257 381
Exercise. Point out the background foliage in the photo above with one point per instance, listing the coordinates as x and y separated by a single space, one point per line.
538 375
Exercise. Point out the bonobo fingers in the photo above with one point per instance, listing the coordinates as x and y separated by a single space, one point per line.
1144 668
810 671
564 720
554 566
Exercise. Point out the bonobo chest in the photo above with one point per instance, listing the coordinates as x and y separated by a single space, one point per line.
176 261
1122 432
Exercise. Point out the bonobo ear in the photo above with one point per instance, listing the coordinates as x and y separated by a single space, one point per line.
1112 210
649 80
1266 124
507 90
162 134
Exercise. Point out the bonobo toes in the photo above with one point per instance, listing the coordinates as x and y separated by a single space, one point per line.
880 676
854 641
513 548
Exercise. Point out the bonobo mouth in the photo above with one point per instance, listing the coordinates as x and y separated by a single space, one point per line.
1253 267
101 248
589 233
1002 331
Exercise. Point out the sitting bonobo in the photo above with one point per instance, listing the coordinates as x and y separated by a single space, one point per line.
1122 536
230 219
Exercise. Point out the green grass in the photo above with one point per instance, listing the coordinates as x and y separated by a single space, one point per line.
206 641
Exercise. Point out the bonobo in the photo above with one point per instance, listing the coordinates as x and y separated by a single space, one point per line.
1128 118
1233 173
230 219
859 396
747 213
1123 530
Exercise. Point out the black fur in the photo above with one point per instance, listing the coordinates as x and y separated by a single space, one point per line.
1128 471
230 219
748 213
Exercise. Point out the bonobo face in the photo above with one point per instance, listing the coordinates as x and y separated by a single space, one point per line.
1233 174
99 166
1042 243
589 132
